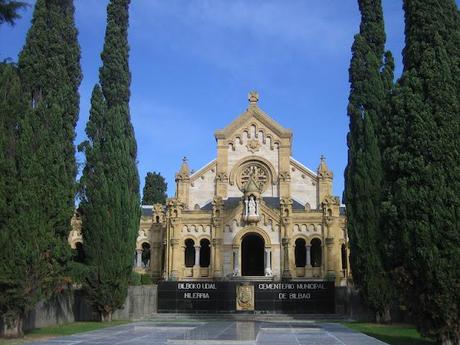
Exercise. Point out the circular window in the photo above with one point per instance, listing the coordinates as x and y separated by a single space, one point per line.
259 173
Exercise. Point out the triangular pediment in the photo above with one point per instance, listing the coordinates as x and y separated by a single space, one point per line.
253 114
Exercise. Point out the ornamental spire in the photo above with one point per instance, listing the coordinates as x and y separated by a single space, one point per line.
323 170
184 171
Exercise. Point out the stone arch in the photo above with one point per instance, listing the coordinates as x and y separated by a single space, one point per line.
313 236
237 239
316 251
141 239
189 252
205 251
300 251
203 237
78 252
344 256
146 254
189 237
306 238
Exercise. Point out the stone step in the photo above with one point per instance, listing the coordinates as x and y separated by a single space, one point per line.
248 317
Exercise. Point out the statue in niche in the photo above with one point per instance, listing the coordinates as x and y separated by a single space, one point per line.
251 209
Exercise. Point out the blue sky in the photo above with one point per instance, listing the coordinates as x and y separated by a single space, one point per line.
193 63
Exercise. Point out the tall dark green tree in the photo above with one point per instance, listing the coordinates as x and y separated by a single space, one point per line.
370 77
110 200
422 166
10 107
43 201
154 189
9 10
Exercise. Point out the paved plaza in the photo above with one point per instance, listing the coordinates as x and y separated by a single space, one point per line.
219 332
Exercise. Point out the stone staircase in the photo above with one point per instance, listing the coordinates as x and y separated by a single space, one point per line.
248 316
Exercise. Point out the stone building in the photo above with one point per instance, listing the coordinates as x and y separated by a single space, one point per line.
253 213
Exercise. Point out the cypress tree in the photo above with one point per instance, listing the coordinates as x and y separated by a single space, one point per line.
422 165
110 182
10 106
9 10
370 76
36 260
154 189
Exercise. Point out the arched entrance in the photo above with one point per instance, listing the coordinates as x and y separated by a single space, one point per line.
252 255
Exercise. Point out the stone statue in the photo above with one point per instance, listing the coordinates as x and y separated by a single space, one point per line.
252 207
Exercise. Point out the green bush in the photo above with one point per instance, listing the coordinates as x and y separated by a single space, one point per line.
146 279
135 279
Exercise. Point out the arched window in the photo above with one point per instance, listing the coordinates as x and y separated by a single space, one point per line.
300 253
189 253
344 257
205 253
145 254
79 253
316 252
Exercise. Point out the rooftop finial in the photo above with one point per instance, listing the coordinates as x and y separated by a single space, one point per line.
184 168
253 97
323 170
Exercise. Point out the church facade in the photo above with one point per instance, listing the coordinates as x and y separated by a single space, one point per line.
254 213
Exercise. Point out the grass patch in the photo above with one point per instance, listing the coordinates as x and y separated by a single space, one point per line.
60 330
397 334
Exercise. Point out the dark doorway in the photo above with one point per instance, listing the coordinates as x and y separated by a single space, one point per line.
252 255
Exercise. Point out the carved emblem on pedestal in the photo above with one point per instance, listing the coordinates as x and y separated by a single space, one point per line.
245 297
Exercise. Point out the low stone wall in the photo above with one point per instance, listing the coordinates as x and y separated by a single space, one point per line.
57 311
140 303
72 305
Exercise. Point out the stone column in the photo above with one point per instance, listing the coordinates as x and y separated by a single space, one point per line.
268 264
175 262
236 261
139 258
197 256
330 257
217 252
308 258
286 268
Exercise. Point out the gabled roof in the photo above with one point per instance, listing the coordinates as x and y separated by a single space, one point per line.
253 112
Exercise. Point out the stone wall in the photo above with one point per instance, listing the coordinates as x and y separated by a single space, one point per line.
72 305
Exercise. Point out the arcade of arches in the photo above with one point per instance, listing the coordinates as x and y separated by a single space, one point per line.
254 211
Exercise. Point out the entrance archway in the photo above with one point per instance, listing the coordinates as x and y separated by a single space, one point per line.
252 255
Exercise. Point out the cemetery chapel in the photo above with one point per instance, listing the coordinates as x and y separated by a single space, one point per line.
253 213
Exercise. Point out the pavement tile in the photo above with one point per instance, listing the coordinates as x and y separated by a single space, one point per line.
225 332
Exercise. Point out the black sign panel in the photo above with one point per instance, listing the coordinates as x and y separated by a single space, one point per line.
196 297
306 297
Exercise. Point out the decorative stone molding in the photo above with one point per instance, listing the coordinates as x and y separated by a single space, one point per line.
222 177
158 213
253 145
284 176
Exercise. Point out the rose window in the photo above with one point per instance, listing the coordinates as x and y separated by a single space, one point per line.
259 173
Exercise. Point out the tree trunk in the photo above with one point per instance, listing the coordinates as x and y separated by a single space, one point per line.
12 328
383 316
450 340
106 316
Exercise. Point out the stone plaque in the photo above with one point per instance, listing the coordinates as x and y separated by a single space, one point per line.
245 296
